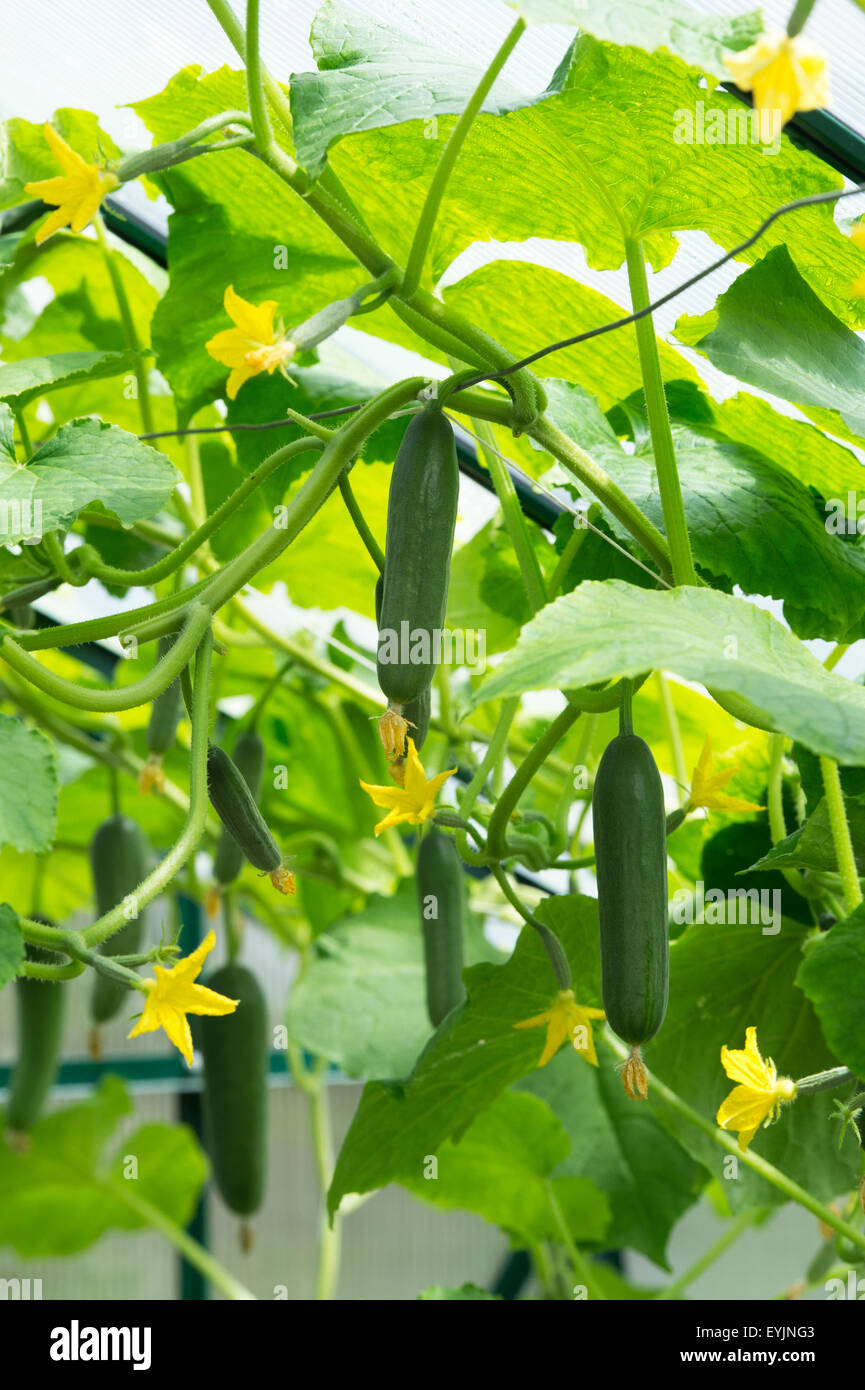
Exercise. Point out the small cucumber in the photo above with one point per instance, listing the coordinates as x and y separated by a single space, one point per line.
235 1051
248 758
631 869
441 898
235 805
40 1006
421 515
120 858
417 712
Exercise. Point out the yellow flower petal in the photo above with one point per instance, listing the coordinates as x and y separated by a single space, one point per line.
255 320
748 1066
412 803
744 1110
562 1019
173 994
757 1098
77 193
786 75
706 786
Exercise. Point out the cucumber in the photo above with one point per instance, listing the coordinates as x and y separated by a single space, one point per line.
631 869
417 712
248 758
120 858
235 805
421 515
235 1051
40 1006
166 708
440 889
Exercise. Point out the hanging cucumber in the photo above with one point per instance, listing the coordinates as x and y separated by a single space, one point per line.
440 892
40 1005
417 712
248 758
165 715
235 1051
631 868
236 807
120 857
421 515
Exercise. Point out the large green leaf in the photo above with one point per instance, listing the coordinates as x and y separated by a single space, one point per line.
700 40
383 69
11 944
505 1167
21 382
724 979
647 1177
700 634
833 977
66 1190
771 330
85 462
474 1055
812 846
750 523
28 787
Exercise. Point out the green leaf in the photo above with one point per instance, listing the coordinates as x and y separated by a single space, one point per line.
771 330
28 787
651 24
647 1177
833 977
734 500
501 1169
85 462
23 381
465 1293
381 70
812 846
66 1190
11 944
473 1056
724 642
724 979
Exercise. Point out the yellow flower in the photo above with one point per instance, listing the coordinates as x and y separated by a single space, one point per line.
76 193
413 802
786 75
565 1018
253 345
757 1099
173 995
706 787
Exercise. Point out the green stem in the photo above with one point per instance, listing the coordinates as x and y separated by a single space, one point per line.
551 944
759 1165
799 17
495 750
233 30
824 1081
581 1264
743 1222
568 555
844 855
130 332
26 443
373 548
60 560
329 1237
514 517
196 821
601 485
127 697
219 1276
775 801
449 157
626 714
674 733
497 831
254 80
659 421
185 147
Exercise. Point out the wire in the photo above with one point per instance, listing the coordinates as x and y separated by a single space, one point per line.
812 200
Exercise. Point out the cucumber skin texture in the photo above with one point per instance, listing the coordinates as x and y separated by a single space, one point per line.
236 807
166 708
631 868
120 858
421 515
248 758
40 1008
439 874
417 712
235 1052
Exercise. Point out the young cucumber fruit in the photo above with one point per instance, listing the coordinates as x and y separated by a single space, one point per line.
440 891
235 1052
120 858
631 869
40 1006
421 515
248 758
236 807
417 712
